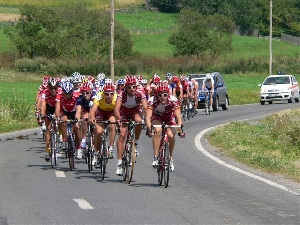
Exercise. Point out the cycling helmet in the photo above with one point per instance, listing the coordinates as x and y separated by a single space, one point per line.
189 77
75 74
100 76
109 87
45 81
86 86
144 81
175 79
121 82
76 80
91 79
130 80
169 76
108 81
156 78
53 82
208 76
67 87
163 88
182 79
139 77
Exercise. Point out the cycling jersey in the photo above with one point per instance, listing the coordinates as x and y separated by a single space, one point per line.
85 104
67 105
164 112
50 100
208 84
101 103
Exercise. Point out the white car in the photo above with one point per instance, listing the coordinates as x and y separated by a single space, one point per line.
278 88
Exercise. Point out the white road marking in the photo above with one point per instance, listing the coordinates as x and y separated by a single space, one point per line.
83 204
200 147
60 174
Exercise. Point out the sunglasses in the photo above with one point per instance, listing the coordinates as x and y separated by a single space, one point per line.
163 95
53 88
109 93
131 86
86 93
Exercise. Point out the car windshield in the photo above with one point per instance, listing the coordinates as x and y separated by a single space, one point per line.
276 80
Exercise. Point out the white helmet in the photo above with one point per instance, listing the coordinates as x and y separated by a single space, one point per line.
144 81
108 81
100 76
208 76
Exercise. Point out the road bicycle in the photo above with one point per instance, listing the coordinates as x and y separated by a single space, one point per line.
185 109
207 107
129 155
102 155
89 152
70 153
54 139
164 159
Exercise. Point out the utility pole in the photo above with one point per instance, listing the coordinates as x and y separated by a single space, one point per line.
271 37
112 39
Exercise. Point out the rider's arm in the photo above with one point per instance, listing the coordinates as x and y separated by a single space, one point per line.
149 113
177 115
144 104
117 109
57 109
93 112
43 107
78 112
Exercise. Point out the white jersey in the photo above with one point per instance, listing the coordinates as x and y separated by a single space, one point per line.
208 84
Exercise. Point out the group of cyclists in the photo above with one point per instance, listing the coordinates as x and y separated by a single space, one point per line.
86 99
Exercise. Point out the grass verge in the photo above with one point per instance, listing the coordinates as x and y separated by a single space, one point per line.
271 144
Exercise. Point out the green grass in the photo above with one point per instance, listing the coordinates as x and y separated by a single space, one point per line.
99 4
271 144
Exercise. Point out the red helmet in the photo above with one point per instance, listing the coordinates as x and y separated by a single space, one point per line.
130 80
45 81
175 79
140 77
156 78
182 79
109 87
163 88
87 86
91 79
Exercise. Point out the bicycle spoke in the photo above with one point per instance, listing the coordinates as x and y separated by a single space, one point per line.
167 164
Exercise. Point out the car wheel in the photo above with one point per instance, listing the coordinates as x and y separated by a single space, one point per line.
262 102
270 102
296 99
290 100
225 106
216 104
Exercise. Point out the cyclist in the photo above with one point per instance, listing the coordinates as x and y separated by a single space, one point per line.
103 109
208 84
194 91
38 101
83 105
185 90
128 105
163 107
48 108
155 81
65 108
120 85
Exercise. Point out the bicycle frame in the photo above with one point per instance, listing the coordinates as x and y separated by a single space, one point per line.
164 159
103 157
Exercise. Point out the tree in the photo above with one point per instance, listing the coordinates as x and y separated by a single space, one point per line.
71 32
199 35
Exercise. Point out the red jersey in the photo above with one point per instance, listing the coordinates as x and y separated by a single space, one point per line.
50 100
67 105
131 102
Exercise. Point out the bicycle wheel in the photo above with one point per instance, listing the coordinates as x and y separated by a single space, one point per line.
124 163
71 153
131 160
167 164
103 158
161 165
89 153
53 149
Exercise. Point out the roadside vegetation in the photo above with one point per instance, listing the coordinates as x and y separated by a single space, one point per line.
268 144
271 144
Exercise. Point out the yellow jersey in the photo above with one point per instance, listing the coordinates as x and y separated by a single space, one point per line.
100 102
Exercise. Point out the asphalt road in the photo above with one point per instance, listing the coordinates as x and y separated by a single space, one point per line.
205 188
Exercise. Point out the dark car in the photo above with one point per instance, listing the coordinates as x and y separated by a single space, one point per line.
220 97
